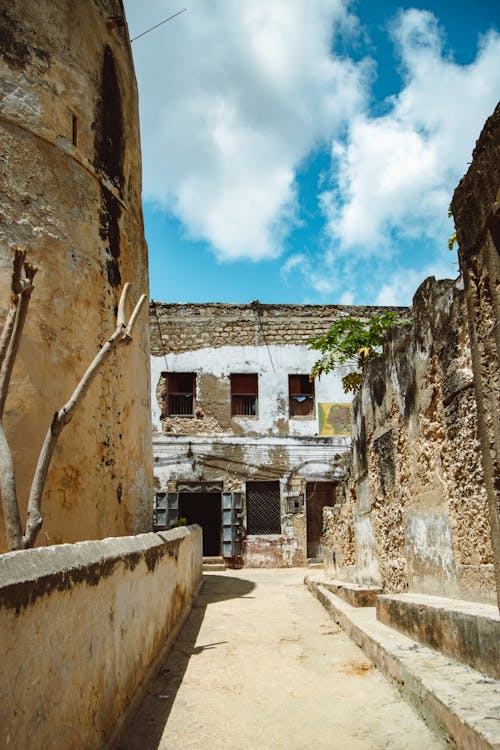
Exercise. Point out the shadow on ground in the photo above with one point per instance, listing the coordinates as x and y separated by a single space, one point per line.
148 724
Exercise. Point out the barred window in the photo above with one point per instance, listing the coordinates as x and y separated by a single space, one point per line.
263 508
244 395
300 396
177 394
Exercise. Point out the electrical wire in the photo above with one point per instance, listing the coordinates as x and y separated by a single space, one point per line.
158 24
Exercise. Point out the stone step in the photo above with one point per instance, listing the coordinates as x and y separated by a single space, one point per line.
457 701
466 631
213 564
315 562
355 594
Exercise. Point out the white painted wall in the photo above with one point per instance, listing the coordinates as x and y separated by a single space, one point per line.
273 364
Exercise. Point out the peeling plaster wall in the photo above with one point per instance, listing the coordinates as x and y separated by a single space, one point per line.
416 497
214 341
83 628
71 170
213 390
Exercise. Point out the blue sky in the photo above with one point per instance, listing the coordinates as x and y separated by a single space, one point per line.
306 151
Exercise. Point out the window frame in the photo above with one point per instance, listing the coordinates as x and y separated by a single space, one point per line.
308 394
254 523
169 395
240 392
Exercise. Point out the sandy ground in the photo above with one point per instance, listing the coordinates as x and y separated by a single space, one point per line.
259 664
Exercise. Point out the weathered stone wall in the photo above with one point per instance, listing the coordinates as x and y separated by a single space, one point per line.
187 327
476 210
420 509
83 628
71 171
338 522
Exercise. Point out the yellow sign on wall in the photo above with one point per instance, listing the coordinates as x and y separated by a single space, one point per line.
335 419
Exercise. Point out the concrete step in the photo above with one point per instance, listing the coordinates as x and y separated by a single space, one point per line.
466 631
354 594
459 702
315 562
213 564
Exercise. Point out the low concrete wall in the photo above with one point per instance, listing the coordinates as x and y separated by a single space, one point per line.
467 631
83 628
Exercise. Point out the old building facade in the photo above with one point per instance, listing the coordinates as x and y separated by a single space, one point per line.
244 443
71 196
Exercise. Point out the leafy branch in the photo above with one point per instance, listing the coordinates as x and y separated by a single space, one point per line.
351 341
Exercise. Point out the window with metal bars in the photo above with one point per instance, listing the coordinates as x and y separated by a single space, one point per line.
244 395
300 396
178 393
263 508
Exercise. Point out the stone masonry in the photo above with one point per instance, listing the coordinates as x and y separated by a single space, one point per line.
420 511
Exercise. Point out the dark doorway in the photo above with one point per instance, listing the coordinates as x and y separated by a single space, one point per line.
204 508
318 494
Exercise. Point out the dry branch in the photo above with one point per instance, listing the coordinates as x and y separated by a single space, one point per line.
121 335
22 286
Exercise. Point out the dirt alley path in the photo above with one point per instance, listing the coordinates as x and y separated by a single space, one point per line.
260 665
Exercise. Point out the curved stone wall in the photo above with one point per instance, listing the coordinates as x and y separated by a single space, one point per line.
71 176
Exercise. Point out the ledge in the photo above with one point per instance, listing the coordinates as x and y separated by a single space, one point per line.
466 631
354 594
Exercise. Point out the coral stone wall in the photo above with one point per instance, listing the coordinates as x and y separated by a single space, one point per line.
420 512
71 178
476 209
180 328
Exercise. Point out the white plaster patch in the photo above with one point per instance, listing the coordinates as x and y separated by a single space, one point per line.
366 563
273 364
429 547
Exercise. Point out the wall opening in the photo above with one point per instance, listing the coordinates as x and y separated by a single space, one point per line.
263 508
175 393
244 395
205 509
300 396
318 495
74 130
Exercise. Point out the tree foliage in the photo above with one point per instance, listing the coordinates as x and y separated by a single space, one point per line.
351 341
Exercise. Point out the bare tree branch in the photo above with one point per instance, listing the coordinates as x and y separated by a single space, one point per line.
121 335
121 316
21 287
8 492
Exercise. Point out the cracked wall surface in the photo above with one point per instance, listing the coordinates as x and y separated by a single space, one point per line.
71 170
417 499
423 493
476 210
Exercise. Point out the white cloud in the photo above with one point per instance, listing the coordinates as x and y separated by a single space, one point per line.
316 275
394 175
401 285
233 96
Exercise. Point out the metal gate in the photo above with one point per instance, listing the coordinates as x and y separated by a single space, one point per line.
232 513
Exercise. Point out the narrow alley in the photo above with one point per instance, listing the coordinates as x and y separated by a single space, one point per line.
259 664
